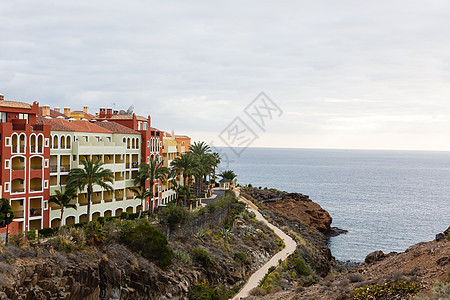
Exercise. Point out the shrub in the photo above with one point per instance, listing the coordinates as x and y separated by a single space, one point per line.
101 220
133 216
241 256
31 235
124 215
258 291
149 242
379 291
47 232
203 291
184 257
300 266
441 290
202 256
95 233
173 216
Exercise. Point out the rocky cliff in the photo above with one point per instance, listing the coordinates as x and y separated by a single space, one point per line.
294 206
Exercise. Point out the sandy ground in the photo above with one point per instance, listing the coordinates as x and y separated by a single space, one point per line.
291 245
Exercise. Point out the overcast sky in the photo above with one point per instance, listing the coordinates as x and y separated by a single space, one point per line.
346 74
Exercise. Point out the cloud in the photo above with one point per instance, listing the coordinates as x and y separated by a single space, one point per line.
195 66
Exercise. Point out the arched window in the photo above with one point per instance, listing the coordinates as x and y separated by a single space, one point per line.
33 148
68 142
63 142
22 142
40 143
55 142
128 143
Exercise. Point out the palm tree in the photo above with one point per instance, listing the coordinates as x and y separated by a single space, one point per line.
199 148
141 194
228 174
216 159
153 171
62 199
183 165
92 174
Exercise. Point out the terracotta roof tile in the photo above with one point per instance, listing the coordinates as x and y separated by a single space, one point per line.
14 104
116 127
86 126
125 117
55 124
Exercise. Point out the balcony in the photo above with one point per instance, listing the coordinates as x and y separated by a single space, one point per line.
35 212
37 127
17 186
36 185
62 168
19 126
18 214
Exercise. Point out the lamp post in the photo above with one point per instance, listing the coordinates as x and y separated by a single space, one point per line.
7 227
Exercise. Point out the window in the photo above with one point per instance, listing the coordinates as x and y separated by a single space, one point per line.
2 117
46 163
45 184
6 186
148 143
45 204
139 125
23 117
145 126
7 166
98 138
8 142
46 142
86 138
109 139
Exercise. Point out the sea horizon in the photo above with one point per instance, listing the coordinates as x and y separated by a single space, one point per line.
387 199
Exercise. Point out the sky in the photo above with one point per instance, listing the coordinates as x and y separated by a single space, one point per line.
342 74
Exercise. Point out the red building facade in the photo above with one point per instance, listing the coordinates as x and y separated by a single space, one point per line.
25 156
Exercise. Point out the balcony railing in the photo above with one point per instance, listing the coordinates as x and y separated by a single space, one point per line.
18 149
36 167
35 212
62 168
18 168
36 189
17 190
18 126
35 149
18 214
135 165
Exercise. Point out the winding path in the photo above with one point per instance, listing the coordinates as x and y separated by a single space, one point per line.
256 277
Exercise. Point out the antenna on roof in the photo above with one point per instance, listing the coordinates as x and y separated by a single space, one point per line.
130 110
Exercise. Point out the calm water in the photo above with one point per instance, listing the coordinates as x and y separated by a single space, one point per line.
387 200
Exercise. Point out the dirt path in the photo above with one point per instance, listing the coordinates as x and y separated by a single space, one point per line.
291 245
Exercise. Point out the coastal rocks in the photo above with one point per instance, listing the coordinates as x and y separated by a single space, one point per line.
440 237
374 256
294 206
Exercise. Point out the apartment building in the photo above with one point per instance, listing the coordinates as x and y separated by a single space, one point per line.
39 147
25 172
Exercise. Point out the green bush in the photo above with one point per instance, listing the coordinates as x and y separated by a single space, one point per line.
300 266
124 215
182 256
101 220
382 291
133 216
149 242
173 215
203 291
202 256
95 233
47 232
31 235
241 256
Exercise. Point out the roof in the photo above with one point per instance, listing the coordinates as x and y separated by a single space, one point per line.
116 127
86 126
55 124
53 113
86 116
125 117
181 137
14 104
224 180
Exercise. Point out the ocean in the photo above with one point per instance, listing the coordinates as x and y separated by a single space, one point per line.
387 200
